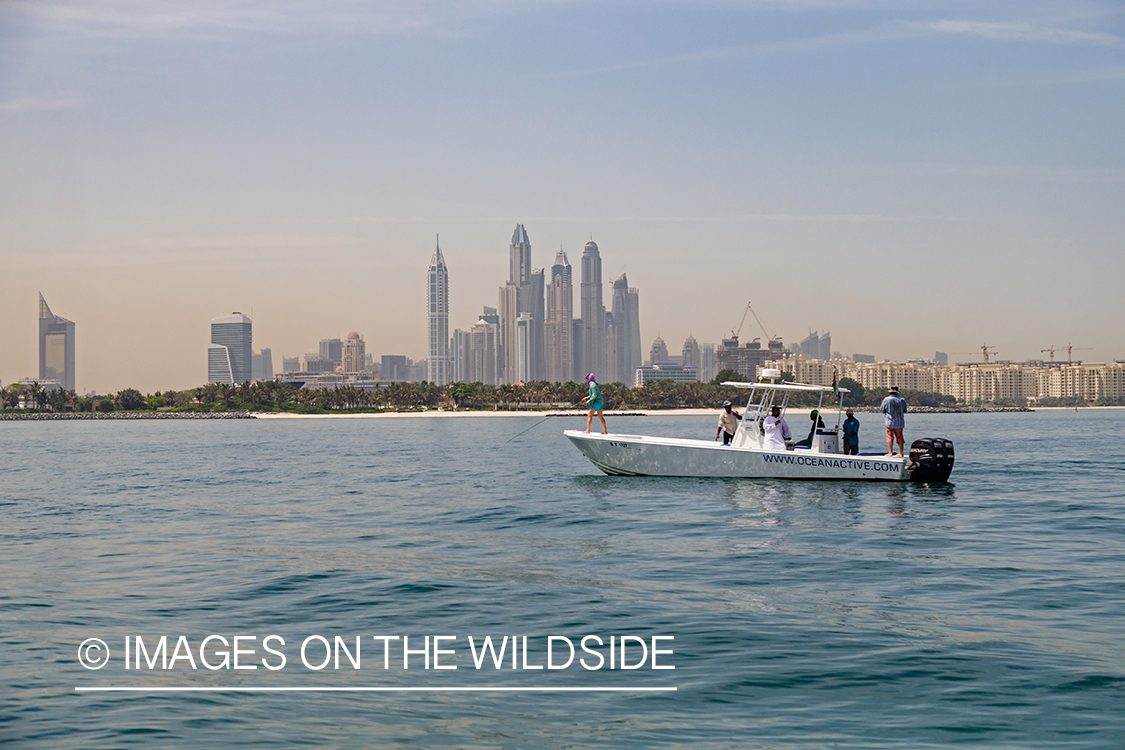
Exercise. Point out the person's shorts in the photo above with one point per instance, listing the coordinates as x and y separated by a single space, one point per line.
598 405
727 437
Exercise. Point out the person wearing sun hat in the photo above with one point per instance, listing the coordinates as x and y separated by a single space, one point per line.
597 405
894 416
728 423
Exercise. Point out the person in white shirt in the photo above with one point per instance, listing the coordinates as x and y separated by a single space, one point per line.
728 423
777 431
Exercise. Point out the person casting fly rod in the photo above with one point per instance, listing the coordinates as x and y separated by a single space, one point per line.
596 404
541 421
594 399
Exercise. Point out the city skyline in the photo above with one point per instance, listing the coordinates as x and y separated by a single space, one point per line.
911 178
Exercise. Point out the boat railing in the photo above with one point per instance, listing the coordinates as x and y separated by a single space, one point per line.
764 396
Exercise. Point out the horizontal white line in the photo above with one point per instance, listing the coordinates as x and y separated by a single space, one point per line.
455 689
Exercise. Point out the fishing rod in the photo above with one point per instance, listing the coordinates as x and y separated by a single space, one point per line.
541 421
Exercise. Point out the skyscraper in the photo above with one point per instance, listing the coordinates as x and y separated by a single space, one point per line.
458 356
593 313
524 348
707 369
354 357
519 258
484 363
532 306
522 295
559 328
230 355
627 330
261 367
394 367
690 353
56 347
509 310
438 364
332 350
659 351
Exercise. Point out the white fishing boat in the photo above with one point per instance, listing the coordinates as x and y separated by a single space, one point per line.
750 455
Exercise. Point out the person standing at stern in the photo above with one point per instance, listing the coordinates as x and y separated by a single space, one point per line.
851 434
894 415
596 404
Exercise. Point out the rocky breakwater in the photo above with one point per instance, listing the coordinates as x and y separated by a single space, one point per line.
12 416
911 409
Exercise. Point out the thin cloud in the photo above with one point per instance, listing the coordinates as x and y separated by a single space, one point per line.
148 19
34 105
1108 175
885 32
1022 32
894 31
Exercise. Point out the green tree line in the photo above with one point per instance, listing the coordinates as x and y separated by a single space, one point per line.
274 395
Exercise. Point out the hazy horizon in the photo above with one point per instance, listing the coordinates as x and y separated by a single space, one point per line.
911 177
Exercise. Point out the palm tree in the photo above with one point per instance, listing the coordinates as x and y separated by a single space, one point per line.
35 393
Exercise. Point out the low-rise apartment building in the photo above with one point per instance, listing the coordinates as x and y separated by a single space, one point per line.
1088 381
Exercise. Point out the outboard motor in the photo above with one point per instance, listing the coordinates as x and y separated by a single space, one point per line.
931 460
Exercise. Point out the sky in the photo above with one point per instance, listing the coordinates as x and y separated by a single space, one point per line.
910 176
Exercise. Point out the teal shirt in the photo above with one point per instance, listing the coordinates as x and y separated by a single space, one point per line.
596 397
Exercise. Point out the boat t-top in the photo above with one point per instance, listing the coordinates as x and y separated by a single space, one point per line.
753 453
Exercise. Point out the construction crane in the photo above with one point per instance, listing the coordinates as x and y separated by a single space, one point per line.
1070 348
734 334
984 349
761 325
749 309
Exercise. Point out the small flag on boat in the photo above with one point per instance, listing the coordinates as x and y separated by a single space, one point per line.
834 389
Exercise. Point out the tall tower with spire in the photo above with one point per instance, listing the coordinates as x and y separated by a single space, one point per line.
56 347
438 365
519 258
593 313
521 314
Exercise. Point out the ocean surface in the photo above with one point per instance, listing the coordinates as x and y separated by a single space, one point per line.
987 612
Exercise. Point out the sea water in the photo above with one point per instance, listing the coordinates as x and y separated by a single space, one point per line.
987 612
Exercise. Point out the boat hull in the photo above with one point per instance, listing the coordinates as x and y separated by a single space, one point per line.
641 455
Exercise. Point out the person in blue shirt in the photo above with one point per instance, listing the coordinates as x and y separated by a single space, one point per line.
894 416
596 404
851 434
